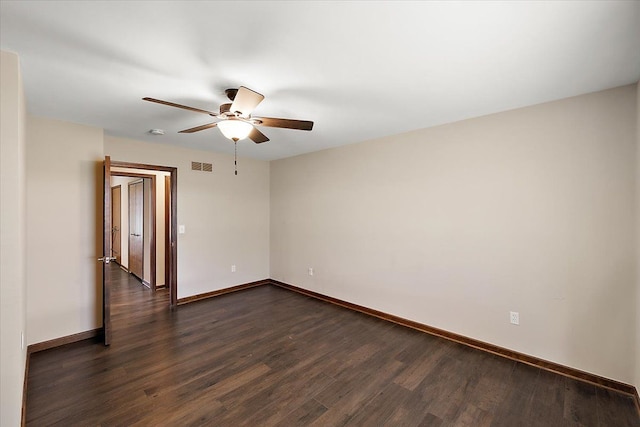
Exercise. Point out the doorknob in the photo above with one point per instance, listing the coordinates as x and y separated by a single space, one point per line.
106 259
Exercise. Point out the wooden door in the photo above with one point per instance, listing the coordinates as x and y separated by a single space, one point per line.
167 231
116 214
136 222
106 255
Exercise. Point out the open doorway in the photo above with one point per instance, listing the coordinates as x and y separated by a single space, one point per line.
143 223
140 223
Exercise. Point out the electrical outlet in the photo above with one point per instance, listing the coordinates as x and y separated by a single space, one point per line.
310 271
233 268
514 317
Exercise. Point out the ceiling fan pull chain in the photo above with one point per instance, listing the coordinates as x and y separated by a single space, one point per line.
235 155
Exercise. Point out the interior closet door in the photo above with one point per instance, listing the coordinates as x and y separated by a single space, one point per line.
136 218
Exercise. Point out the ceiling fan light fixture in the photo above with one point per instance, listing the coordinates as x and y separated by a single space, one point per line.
235 130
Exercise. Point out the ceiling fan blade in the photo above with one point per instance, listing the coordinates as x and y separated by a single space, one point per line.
184 107
285 123
257 136
199 128
245 101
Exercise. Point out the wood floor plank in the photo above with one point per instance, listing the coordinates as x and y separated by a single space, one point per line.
421 366
306 379
444 389
431 420
517 405
472 416
346 397
305 414
411 410
382 407
616 406
268 356
281 399
547 406
490 391
580 406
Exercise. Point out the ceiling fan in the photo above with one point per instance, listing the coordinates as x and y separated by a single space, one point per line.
235 120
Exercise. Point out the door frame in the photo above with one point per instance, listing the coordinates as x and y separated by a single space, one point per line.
173 238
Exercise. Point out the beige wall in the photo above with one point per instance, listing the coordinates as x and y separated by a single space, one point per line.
64 228
12 239
226 217
527 210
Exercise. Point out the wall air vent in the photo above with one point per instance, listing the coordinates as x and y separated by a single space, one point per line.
199 166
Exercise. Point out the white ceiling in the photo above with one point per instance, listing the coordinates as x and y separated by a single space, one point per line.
359 70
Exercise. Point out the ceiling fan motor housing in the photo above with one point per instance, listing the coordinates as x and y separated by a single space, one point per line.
225 108
231 93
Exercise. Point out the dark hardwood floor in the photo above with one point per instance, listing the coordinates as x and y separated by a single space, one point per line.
269 356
